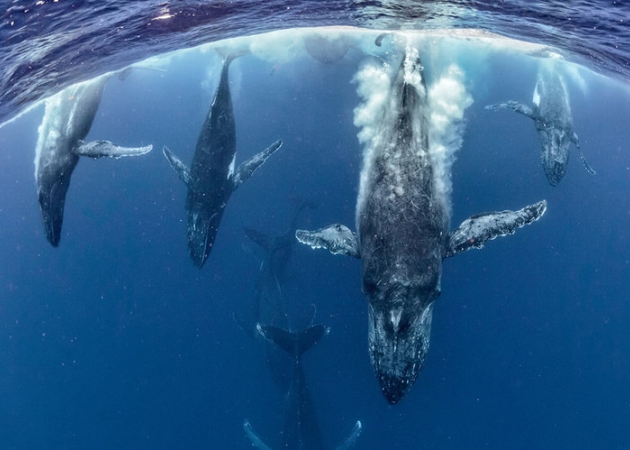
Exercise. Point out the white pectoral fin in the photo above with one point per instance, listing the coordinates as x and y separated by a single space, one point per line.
99 149
177 165
337 239
514 106
475 231
576 142
253 437
351 440
247 169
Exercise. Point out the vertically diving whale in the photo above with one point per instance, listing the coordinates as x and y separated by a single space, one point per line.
403 232
552 116
67 121
211 178
301 430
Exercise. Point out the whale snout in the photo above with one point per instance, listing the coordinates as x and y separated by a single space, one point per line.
52 200
398 342
555 171
555 155
202 232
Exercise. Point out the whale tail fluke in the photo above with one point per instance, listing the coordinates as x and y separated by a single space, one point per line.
295 344
230 54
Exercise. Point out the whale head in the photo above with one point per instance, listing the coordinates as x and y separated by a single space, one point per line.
399 335
555 152
203 226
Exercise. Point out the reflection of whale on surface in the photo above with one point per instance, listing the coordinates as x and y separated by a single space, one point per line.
301 430
211 178
403 232
67 121
551 113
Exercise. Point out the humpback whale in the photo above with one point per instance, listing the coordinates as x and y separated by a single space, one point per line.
67 120
211 178
301 430
551 113
268 305
403 219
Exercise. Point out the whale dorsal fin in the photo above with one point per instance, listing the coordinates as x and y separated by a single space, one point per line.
99 149
337 239
253 437
247 169
475 231
349 442
177 165
514 106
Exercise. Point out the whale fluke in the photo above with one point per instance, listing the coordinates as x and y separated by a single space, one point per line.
295 344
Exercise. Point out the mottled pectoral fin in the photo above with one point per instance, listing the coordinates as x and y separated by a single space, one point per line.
253 437
247 169
576 142
338 239
99 149
475 231
351 440
514 106
177 165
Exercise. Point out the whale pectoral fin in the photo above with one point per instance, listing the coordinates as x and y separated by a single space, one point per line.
99 149
253 437
337 238
475 231
177 165
349 442
247 169
514 106
576 142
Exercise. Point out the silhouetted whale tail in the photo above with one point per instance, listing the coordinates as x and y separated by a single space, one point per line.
294 343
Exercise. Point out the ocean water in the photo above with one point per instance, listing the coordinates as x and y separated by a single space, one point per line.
115 340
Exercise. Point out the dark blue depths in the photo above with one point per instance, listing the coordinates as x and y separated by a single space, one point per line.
115 340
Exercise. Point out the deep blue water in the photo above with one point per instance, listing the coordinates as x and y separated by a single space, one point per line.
115 340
